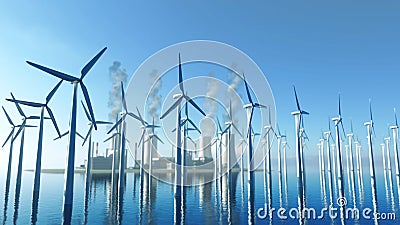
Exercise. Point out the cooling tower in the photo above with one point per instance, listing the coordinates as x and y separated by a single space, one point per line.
204 150
228 144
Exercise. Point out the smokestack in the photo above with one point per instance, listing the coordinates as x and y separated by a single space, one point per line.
116 75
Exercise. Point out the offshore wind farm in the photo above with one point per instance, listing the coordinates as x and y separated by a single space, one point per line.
266 121
186 168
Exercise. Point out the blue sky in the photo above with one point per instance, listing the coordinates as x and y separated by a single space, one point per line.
321 47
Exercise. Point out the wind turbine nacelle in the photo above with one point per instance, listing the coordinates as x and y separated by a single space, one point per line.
247 106
176 96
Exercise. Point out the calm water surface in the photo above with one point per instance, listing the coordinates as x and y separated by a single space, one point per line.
205 204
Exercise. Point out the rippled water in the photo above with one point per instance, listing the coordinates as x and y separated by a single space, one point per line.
204 204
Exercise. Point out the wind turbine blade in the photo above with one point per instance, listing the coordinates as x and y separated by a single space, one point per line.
86 112
194 104
251 118
109 138
87 135
230 110
62 135
8 117
329 124
9 136
140 117
219 125
123 97
33 118
133 116
395 117
103 122
180 75
370 110
297 99
226 129
247 90
158 138
30 126
269 116
50 95
279 131
194 125
53 120
17 105
141 137
80 135
90 64
153 126
351 126
54 72
115 125
344 132
237 130
89 105
19 130
176 103
259 105
186 110
340 111
32 104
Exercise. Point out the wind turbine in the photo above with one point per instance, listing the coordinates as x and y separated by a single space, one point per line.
177 104
395 133
69 172
89 136
285 146
267 161
42 106
122 122
350 144
359 164
21 131
150 139
65 134
228 131
389 164
299 163
114 138
250 162
186 130
10 137
370 128
250 111
338 121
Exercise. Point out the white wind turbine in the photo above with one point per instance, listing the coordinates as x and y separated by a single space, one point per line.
75 81
395 133
370 128
89 136
177 105
21 131
299 163
121 122
338 121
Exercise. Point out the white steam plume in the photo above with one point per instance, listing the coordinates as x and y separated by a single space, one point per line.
116 75
154 99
